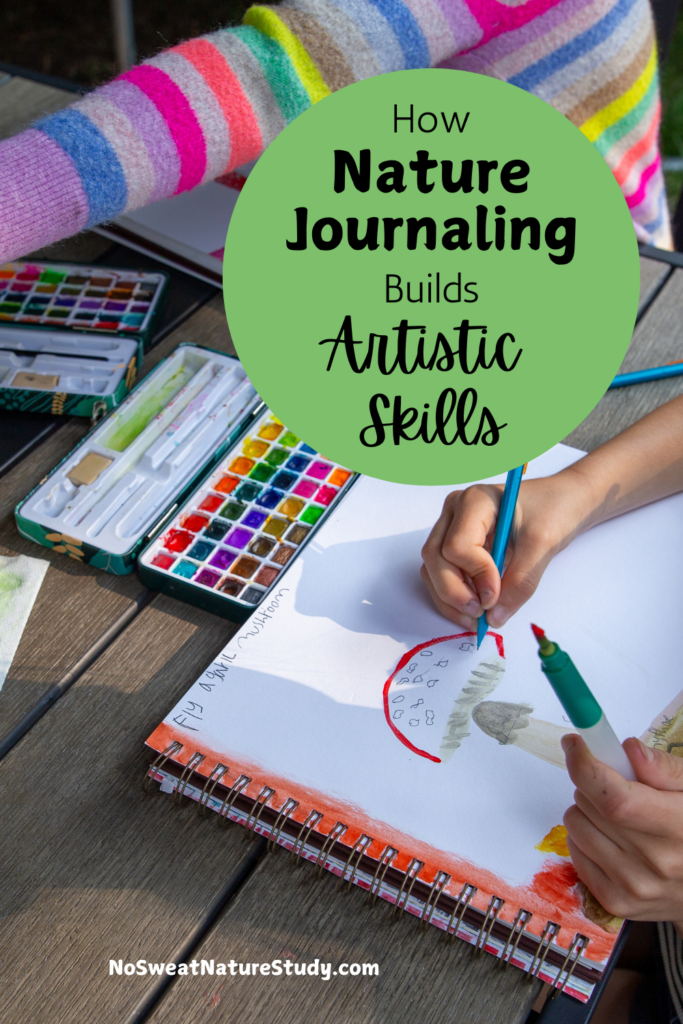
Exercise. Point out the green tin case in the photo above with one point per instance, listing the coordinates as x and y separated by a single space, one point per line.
72 336
101 504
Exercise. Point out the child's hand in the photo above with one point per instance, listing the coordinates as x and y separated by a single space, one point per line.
626 838
458 569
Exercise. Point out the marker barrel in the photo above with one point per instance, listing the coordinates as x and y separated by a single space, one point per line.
585 713
603 744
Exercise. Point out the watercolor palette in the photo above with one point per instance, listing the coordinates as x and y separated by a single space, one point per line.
226 548
77 297
104 501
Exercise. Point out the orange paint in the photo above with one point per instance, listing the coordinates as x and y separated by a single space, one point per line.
241 465
551 895
556 883
555 842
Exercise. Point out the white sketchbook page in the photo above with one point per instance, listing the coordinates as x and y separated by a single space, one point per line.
302 698
198 218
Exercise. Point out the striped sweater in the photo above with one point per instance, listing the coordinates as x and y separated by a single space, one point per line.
211 104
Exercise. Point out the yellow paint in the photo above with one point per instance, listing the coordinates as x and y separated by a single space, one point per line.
555 842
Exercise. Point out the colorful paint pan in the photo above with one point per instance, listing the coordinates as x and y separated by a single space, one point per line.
246 522
72 296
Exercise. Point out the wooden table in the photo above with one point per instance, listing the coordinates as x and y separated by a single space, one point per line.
93 869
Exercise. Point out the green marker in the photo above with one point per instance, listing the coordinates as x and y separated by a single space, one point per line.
585 713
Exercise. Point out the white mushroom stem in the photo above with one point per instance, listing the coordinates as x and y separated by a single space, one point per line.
512 724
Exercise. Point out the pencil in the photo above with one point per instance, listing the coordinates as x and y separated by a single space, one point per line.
622 380
501 538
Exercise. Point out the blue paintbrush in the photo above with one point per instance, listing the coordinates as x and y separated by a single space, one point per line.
506 514
622 380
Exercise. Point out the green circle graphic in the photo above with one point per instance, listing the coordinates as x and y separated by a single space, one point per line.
431 277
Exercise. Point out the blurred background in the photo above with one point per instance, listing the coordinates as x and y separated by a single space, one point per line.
76 42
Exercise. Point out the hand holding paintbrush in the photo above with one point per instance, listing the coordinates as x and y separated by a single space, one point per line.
634 468
460 568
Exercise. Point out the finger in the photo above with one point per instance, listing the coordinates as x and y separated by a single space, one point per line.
599 884
448 561
591 840
619 836
626 806
473 519
448 586
655 768
530 556
447 610
626 885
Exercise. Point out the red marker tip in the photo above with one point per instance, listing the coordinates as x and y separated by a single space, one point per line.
538 632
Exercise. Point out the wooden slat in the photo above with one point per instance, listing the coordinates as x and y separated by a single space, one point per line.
282 913
24 101
76 604
93 867
658 339
652 273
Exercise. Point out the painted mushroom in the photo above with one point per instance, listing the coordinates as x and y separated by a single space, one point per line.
512 724
428 699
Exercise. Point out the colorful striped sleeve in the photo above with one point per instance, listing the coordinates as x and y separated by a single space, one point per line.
198 110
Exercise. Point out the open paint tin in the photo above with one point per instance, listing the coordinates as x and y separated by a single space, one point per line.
72 337
101 504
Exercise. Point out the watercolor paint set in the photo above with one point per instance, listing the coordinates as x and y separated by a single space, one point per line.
226 548
72 337
104 501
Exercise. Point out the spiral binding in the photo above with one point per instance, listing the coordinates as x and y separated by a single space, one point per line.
549 934
414 869
577 947
260 802
159 762
209 786
191 765
238 787
464 898
335 835
383 865
288 807
493 910
440 881
358 850
518 927
304 832
353 862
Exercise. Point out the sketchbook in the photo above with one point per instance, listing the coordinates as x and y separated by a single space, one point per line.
350 723
188 230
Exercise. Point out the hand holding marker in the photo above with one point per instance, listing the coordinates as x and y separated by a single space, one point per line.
501 538
585 713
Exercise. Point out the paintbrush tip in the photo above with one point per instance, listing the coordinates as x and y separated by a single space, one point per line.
546 647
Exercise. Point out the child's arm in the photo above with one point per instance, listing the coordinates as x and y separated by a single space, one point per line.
211 104
206 106
625 838
639 466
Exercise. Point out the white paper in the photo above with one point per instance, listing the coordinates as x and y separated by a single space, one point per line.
198 218
298 692
20 580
